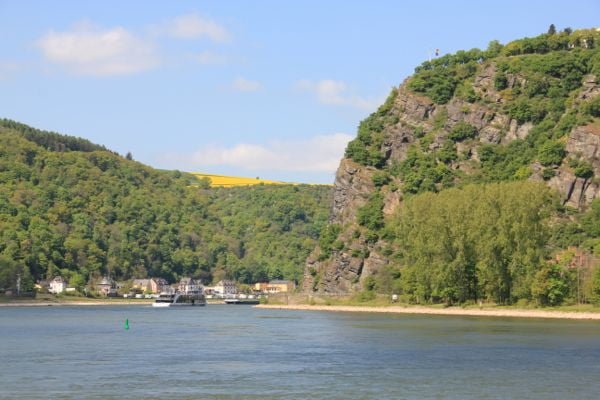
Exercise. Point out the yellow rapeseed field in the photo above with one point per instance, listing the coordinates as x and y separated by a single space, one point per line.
231 181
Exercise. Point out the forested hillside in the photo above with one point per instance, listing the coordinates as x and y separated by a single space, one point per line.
476 180
72 208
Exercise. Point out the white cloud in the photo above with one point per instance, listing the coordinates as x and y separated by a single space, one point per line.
245 85
87 50
192 26
333 92
317 154
210 58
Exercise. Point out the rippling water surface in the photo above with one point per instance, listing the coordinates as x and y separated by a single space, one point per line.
239 352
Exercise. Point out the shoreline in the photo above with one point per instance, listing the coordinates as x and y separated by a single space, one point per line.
75 303
451 311
63 303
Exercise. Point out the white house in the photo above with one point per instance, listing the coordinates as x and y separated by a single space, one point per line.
57 285
189 285
225 288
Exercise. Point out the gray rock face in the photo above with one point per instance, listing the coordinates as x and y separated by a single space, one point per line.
352 187
583 144
347 269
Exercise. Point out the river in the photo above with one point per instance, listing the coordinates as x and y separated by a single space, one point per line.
239 352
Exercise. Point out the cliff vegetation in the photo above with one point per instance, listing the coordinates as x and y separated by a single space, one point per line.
477 180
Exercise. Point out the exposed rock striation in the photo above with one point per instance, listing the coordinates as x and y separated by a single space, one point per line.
415 115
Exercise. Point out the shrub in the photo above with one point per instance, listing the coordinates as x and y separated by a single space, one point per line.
328 236
551 153
548 174
592 107
371 214
447 153
584 170
462 131
380 178
500 81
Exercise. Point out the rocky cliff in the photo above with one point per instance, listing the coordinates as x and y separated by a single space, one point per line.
420 142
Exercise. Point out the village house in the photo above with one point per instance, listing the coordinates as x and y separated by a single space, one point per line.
261 287
279 286
189 285
151 285
225 288
107 287
275 286
57 285
161 285
141 285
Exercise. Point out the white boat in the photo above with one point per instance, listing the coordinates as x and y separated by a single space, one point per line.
242 301
179 300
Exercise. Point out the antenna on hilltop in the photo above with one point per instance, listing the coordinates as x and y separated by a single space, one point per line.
435 53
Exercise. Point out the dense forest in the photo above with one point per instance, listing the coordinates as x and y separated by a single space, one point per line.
69 207
478 219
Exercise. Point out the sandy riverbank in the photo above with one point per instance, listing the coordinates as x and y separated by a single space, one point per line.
444 311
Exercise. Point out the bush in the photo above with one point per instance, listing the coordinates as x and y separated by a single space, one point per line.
592 107
371 214
328 236
548 174
584 170
500 81
447 153
462 131
365 296
551 153
380 178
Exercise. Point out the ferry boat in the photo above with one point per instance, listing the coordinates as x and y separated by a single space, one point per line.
242 301
179 300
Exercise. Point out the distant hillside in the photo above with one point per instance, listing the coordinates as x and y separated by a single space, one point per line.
50 141
69 207
477 179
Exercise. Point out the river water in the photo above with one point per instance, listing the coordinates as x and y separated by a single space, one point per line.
239 352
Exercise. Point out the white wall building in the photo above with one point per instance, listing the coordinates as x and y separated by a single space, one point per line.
57 285
225 288
189 285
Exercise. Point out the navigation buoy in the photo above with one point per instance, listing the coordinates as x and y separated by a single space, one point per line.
127 324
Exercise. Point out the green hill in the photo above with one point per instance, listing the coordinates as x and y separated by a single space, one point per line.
476 180
70 207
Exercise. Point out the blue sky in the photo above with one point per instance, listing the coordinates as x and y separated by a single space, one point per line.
253 88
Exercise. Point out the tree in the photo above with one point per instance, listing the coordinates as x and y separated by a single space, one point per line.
549 285
129 156
483 241
551 29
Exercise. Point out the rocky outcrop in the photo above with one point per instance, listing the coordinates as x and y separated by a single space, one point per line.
352 187
347 268
583 144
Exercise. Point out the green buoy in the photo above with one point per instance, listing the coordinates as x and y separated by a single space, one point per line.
127 324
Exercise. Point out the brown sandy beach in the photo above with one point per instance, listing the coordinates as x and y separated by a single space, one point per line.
444 311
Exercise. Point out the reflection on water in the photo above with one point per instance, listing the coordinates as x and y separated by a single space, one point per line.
232 352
